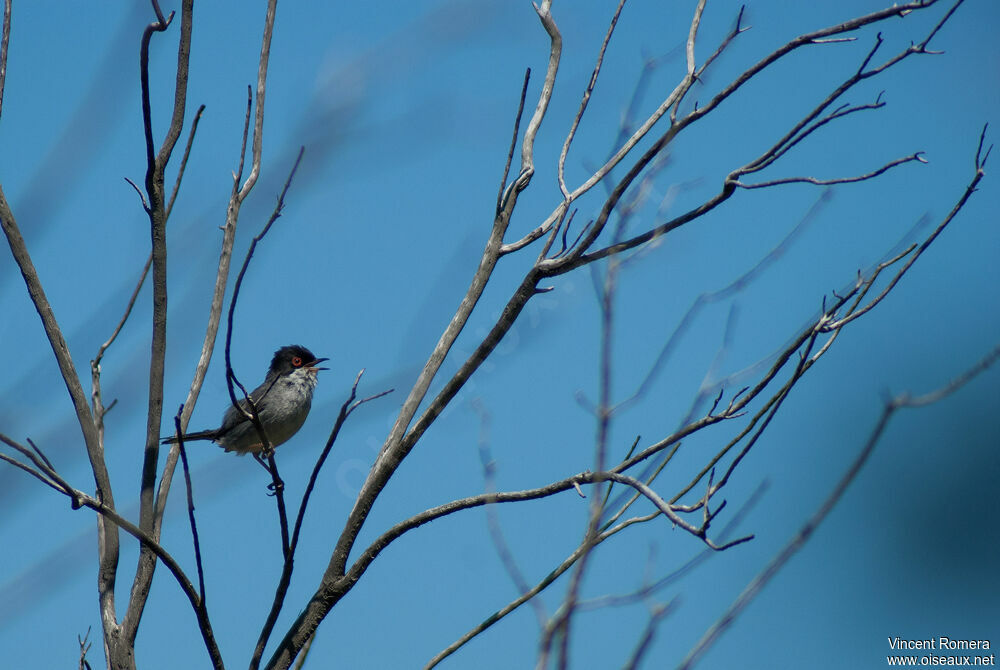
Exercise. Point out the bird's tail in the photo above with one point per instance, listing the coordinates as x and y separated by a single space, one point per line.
188 437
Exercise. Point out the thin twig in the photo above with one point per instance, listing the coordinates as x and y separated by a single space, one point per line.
561 166
838 180
190 504
184 160
277 489
513 143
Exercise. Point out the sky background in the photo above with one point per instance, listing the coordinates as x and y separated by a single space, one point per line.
405 111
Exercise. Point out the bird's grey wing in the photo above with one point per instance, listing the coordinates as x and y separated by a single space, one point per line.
233 416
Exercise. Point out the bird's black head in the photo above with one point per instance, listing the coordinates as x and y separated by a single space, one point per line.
293 357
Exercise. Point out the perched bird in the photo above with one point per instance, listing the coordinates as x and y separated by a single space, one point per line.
282 403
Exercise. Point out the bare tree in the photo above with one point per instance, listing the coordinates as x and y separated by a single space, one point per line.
626 486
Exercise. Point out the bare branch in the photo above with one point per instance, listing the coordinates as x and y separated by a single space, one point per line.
286 574
184 160
251 411
190 504
107 532
142 196
657 615
738 29
30 470
159 25
84 648
803 343
400 441
4 41
610 164
258 126
504 188
734 287
80 499
231 379
798 541
561 170
826 322
276 489
128 310
582 257
803 130
308 619
840 180
969 190
555 52
492 520
155 167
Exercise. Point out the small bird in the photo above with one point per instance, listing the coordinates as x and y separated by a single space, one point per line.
282 401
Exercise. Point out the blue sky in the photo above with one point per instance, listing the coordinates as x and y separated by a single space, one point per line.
405 111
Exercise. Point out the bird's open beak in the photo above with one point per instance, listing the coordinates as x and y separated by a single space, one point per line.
312 366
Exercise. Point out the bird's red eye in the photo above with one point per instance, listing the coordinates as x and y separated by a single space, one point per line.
296 361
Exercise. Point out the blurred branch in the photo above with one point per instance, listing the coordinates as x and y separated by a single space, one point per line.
737 285
560 624
798 541
828 322
656 615
492 518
